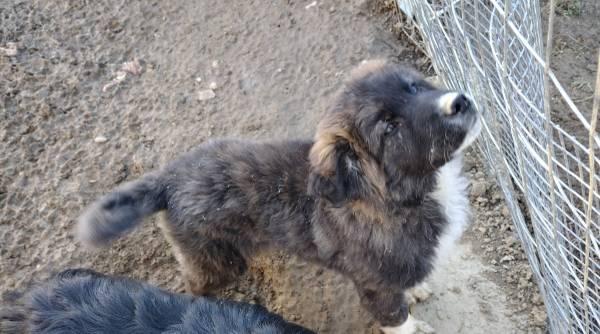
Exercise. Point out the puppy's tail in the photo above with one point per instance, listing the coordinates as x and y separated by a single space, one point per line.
121 210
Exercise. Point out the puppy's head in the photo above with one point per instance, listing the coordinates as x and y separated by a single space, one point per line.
388 124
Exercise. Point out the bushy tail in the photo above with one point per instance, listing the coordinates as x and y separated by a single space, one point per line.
121 210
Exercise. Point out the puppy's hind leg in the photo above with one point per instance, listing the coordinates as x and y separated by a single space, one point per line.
212 266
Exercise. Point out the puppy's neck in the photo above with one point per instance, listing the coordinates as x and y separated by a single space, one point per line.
410 190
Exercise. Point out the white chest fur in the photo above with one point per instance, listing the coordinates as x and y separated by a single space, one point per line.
452 196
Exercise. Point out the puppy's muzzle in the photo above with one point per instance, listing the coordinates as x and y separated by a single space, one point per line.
453 103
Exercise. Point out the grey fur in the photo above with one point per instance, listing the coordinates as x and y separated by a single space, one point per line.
83 301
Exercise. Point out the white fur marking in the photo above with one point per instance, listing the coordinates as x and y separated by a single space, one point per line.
445 102
410 326
471 135
451 195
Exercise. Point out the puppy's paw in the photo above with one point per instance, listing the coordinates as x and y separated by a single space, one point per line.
410 326
418 293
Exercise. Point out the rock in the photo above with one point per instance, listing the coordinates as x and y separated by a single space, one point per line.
523 283
215 64
505 211
511 240
213 85
310 5
206 94
10 50
507 258
455 289
537 299
100 139
198 79
479 188
539 315
132 67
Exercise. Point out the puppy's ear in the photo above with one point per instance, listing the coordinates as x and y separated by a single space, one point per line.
342 183
335 169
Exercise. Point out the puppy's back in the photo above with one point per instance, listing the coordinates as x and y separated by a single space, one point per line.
82 301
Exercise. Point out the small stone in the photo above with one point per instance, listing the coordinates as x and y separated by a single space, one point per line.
332 9
198 79
539 315
100 139
206 94
479 188
523 283
510 240
505 212
215 64
132 67
537 299
310 5
120 76
455 289
213 85
507 258
10 50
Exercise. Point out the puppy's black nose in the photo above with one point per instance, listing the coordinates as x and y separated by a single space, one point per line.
460 104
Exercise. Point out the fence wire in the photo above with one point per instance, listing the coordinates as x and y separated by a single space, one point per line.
494 50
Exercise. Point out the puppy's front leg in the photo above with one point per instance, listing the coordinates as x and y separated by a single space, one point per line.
418 293
390 308
410 326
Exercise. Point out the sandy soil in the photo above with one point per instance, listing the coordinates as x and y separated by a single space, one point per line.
274 67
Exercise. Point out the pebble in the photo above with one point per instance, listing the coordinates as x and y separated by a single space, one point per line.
310 5
523 283
215 64
455 289
479 188
213 85
507 258
100 139
206 94
10 50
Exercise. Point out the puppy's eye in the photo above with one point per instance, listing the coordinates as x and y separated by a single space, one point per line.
390 126
412 88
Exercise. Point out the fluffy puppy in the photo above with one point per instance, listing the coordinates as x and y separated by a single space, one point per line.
83 301
378 195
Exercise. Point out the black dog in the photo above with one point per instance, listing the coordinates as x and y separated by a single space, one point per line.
83 301
378 195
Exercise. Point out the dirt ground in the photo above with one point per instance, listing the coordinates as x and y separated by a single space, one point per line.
66 138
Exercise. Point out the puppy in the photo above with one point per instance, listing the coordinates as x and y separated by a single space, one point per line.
83 301
378 195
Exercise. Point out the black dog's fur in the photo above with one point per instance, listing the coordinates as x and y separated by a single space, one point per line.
357 199
83 301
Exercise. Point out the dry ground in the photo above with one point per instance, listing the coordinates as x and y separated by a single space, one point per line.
275 66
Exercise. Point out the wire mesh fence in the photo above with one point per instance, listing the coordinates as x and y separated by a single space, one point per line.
494 49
